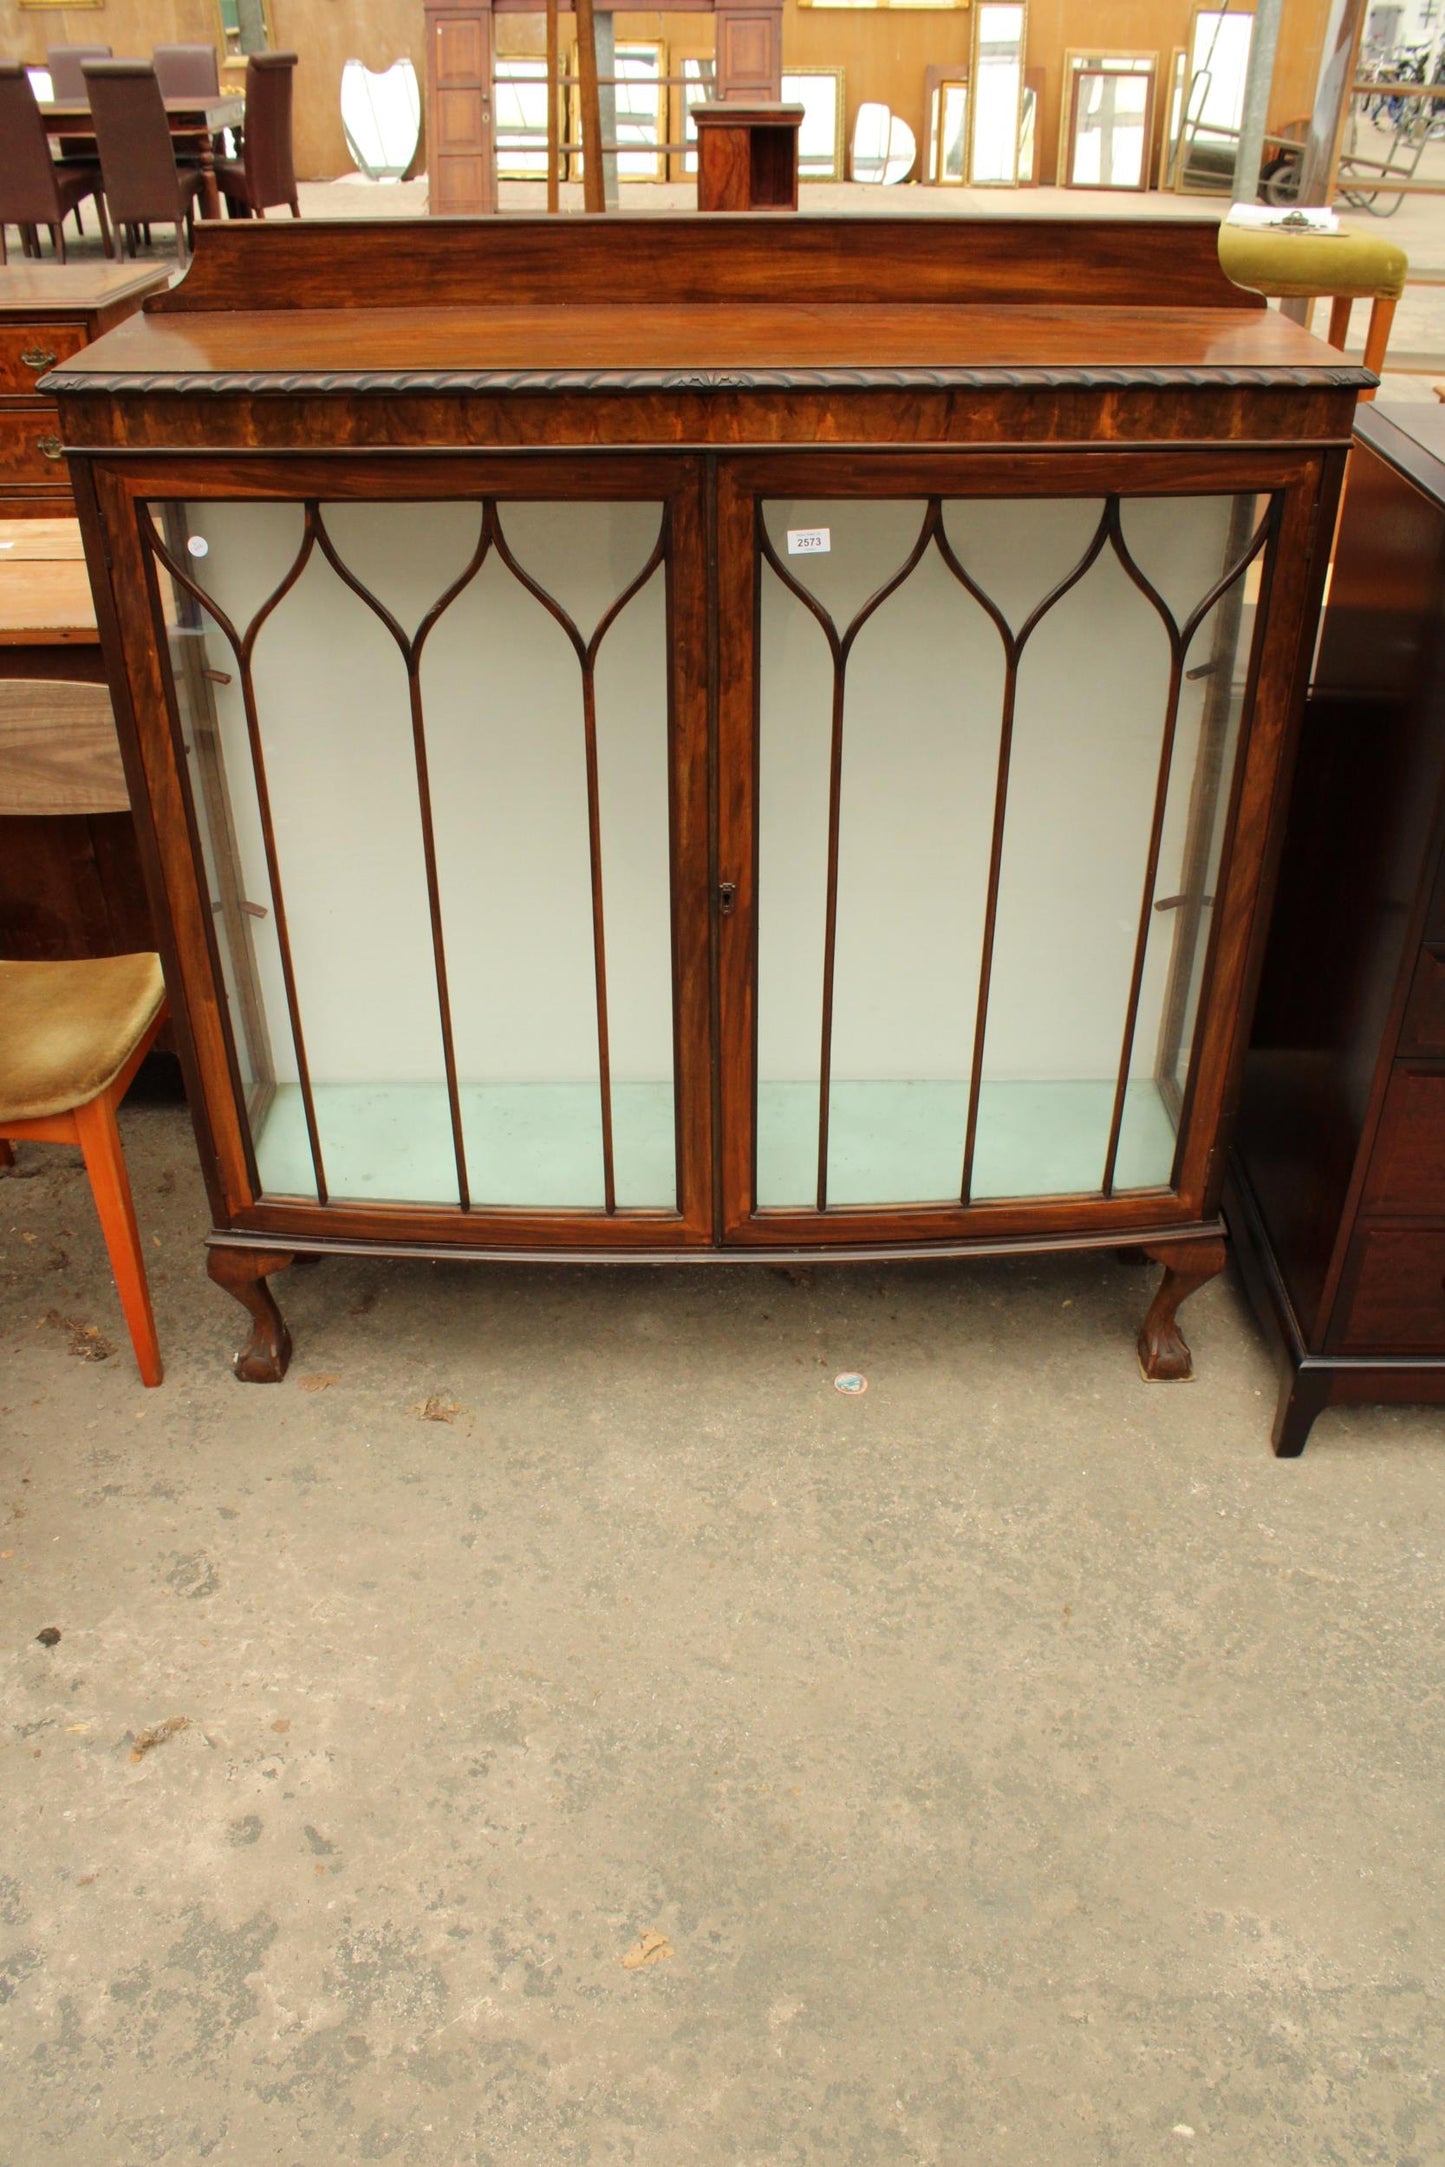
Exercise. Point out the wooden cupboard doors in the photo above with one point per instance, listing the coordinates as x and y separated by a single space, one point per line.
984 751
441 728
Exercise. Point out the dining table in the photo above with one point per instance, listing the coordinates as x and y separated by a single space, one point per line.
193 122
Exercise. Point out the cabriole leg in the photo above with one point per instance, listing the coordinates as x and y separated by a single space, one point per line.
243 1272
1163 1352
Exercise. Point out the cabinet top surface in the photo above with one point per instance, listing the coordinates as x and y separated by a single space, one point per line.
33 289
796 342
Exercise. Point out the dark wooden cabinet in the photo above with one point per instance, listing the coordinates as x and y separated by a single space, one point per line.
762 742
48 311
1337 1196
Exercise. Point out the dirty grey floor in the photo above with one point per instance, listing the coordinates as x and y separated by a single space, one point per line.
1019 1764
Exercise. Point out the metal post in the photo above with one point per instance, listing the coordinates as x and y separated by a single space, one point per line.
1249 157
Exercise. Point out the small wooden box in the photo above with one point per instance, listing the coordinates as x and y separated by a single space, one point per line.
747 157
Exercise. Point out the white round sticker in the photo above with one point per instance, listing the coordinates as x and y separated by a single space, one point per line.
198 545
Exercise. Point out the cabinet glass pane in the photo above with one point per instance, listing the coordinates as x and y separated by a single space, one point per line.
453 778
994 737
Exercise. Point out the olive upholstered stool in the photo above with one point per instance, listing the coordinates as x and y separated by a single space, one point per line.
1305 266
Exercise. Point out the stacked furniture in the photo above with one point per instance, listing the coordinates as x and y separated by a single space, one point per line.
1338 1187
719 739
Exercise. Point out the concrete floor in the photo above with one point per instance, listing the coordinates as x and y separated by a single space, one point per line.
1020 1764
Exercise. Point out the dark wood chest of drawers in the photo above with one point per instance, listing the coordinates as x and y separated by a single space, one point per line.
1337 1198
48 312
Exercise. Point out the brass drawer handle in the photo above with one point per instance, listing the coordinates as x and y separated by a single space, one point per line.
35 357
50 447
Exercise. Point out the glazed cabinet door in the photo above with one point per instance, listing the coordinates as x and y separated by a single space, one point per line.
440 734
998 726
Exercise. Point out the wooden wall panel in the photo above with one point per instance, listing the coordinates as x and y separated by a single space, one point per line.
883 53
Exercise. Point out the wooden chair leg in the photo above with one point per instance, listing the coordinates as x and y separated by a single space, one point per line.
105 234
1340 308
1377 338
99 1139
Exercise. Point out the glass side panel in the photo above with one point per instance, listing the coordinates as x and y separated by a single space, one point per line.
980 746
1211 713
474 927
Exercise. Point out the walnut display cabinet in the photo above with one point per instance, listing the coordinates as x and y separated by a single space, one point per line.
762 743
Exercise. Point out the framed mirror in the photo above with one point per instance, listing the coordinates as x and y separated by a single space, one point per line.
1176 82
996 106
883 147
1106 123
819 91
1219 47
946 93
380 118
244 28
1029 127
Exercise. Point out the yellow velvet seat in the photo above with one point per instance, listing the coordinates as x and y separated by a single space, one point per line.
1287 265
68 1029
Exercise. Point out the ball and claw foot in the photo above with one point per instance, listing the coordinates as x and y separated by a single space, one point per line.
1163 1350
242 1272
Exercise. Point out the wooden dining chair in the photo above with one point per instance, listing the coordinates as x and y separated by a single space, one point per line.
187 71
63 64
143 182
265 173
66 64
35 189
73 1033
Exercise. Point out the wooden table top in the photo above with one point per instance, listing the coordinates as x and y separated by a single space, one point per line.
45 597
738 341
31 289
72 115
